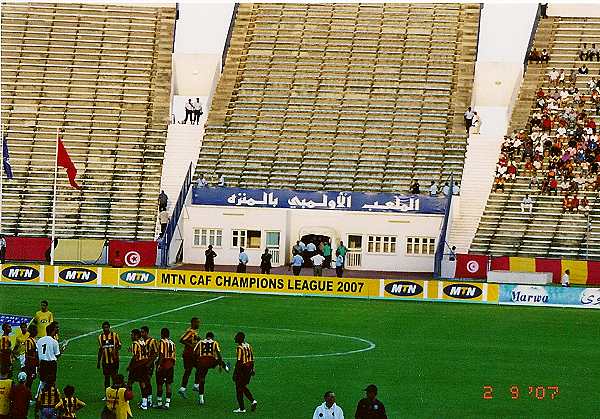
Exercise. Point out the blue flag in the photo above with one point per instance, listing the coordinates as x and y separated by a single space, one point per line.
5 159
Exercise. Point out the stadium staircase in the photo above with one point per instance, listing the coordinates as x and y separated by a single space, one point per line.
102 73
547 232
363 97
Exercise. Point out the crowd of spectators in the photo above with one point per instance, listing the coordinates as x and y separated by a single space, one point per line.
560 152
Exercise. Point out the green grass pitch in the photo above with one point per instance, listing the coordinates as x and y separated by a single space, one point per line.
430 360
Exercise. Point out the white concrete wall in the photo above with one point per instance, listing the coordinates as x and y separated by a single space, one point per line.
202 27
591 9
292 224
195 74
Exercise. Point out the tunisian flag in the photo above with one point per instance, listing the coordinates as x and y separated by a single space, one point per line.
132 253
471 266
63 160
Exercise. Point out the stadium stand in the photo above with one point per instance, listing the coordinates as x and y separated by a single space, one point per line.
548 231
102 73
364 97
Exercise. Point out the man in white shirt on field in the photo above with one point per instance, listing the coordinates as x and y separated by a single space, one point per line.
48 353
328 410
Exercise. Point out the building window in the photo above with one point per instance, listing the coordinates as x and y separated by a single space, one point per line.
205 236
382 244
420 246
250 239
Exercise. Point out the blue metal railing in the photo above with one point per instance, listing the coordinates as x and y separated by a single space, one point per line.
441 246
165 241
536 23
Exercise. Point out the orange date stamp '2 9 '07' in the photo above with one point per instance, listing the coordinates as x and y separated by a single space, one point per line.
532 392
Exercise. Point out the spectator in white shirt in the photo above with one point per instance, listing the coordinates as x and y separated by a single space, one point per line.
565 280
221 181
469 114
446 189
201 182
476 124
553 76
197 111
433 189
328 410
189 112
163 218
526 203
455 189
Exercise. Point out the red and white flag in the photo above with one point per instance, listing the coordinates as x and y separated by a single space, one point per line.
471 266
63 160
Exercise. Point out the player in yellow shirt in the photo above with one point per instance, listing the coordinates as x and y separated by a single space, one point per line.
20 338
42 319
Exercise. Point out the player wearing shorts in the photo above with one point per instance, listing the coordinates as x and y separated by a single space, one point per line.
152 351
48 353
165 367
208 355
6 349
189 340
31 356
20 338
243 372
138 366
109 345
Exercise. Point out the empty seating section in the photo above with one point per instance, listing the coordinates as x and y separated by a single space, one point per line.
549 232
334 96
102 74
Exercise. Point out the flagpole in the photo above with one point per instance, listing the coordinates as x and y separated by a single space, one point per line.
54 199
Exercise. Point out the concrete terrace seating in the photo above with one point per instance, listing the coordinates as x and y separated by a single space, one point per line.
547 232
359 97
102 74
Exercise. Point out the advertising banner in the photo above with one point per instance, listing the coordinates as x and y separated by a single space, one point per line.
21 273
77 275
341 201
471 266
27 248
258 283
408 289
468 291
133 253
549 296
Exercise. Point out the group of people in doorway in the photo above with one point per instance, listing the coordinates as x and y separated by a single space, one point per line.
318 256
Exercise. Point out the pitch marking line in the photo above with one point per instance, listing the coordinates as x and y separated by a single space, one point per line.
370 345
93 332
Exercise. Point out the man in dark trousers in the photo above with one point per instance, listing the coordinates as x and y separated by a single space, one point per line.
209 265
370 407
163 199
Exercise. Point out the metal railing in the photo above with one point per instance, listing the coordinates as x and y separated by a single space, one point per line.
441 245
164 243
274 251
353 259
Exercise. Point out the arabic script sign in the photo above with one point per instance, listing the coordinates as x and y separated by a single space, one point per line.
341 201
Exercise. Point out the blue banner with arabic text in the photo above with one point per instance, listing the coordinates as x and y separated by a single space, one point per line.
340 201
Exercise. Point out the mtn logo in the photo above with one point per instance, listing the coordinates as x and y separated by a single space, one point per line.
463 291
